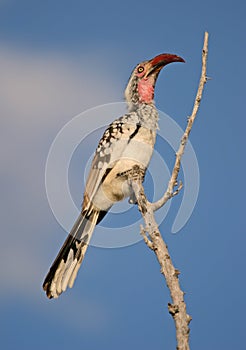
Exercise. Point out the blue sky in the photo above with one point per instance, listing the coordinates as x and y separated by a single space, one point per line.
58 59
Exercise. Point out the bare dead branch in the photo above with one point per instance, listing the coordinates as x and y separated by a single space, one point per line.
178 307
155 241
170 188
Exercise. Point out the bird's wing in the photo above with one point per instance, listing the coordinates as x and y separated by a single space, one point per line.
109 150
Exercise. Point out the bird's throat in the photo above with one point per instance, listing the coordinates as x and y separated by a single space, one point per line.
146 90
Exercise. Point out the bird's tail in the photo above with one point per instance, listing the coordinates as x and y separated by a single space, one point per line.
64 270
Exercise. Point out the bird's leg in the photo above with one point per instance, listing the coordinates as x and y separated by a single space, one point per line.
136 174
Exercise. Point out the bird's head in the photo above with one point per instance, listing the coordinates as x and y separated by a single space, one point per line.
141 85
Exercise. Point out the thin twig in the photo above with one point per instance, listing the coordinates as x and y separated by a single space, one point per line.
155 241
173 180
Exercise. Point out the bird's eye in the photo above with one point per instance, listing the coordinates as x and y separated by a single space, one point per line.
140 69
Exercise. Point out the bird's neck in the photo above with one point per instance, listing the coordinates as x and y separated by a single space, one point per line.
139 96
147 114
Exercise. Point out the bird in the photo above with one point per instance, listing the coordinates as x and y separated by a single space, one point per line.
127 142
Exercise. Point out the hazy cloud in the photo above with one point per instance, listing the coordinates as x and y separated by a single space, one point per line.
39 93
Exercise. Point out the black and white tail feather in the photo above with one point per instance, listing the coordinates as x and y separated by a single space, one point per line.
63 272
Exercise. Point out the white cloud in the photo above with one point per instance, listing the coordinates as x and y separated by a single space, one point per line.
37 87
39 93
